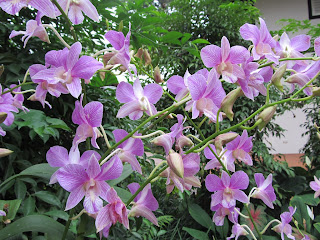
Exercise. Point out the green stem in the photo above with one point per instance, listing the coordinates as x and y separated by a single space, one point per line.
64 15
20 85
302 99
252 127
66 228
202 122
219 159
268 93
253 222
217 122
150 178
167 110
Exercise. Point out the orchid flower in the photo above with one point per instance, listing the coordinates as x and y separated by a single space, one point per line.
137 100
33 29
130 148
227 190
58 156
207 94
112 213
89 118
284 227
237 230
225 59
226 159
89 182
315 185
144 203
220 213
264 190
67 68
178 85
240 148
263 43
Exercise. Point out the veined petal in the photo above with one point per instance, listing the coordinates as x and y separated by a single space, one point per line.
111 169
238 54
93 167
44 6
73 55
92 203
140 210
132 160
301 42
89 9
211 56
75 197
129 108
124 92
153 92
75 87
75 15
57 156
214 183
103 218
225 49
197 86
115 38
72 176
86 67
240 196
175 84
239 180
93 112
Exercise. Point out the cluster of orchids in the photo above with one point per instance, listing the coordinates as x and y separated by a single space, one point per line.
250 71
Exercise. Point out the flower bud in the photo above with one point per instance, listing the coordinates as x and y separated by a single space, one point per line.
316 91
5 152
3 116
266 116
175 163
139 53
276 77
157 75
229 100
147 58
183 141
106 58
164 141
224 139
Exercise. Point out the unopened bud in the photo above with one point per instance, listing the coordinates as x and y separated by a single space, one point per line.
139 53
223 139
7 221
229 100
3 116
147 58
316 91
5 152
276 77
266 116
157 75
175 163
106 58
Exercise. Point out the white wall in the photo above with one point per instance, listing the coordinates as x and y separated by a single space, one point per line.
272 11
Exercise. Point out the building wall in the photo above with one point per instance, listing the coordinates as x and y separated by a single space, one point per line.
272 11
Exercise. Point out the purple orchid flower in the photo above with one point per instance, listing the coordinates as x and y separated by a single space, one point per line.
220 213
227 190
144 203
54 87
284 227
178 85
237 230
264 190
121 54
67 68
7 106
58 156
263 43
18 99
240 147
89 182
317 46
253 82
315 185
13 7
287 48
137 100
76 8
303 76
227 161
89 118
113 212
207 94
225 59
33 29
191 166
2 213
130 148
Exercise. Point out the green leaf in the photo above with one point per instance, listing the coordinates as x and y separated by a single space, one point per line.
201 217
59 214
199 40
48 197
317 226
20 189
12 210
42 170
123 194
301 212
196 233
127 170
28 206
35 223
172 37
185 38
57 123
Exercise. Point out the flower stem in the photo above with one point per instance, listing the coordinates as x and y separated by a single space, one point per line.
20 85
57 34
66 228
149 135
105 136
245 226
253 222
268 225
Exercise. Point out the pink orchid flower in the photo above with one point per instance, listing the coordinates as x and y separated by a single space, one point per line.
89 118
227 190
284 227
315 185
226 159
137 100
89 182
264 190
144 203
225 59
130 148
112 213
